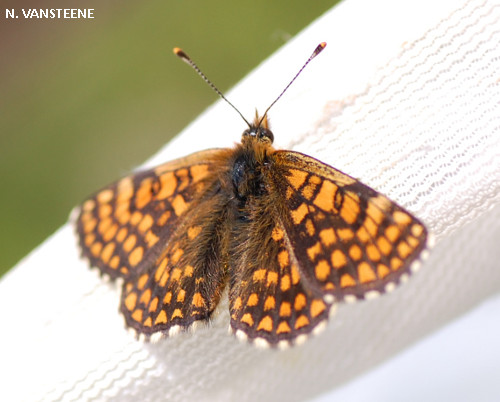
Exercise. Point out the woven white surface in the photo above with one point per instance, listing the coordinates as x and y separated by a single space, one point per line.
409 102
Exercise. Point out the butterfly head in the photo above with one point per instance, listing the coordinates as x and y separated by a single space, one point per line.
259 130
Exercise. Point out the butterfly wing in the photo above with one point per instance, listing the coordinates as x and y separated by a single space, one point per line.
269 301
155 229
348 240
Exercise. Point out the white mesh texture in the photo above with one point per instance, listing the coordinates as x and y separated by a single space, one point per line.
414 113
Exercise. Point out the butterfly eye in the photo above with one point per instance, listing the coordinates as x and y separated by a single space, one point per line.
265 135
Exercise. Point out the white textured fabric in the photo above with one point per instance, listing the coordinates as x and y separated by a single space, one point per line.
406 100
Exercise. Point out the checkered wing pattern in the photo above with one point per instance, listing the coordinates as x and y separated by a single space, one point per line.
349 241
155 229
270 302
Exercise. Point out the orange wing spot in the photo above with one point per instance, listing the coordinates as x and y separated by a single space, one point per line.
188 271
162 318
146 223
177 313
401 218
115 261
372 252
322 270
285 283
270 303
329 286
104 225
107 252
308 191
105 196
383 271
392 233
143 279
295 275
86 216
296 178
366 273
163 218
110 233
299 214
313 251
151 239
168 298
88 205
96 249
154 305
135 256
302 321
181 296
350 209
131 301
247 319
404 249
363 235
124 270
412 241
125 189
148 322
313 179
177 255
123 216
396 263
300 302
345 234
327 237
370 225
198 172
259 275
145 297
198 300
283 259
253 300
144 193
277 234
90 225
89 239
283 327
326 195
355 252
137 315
384 246
338 259
176 274
135 218
193 232
317 307
272 278
179 205
266 324
289 193
237 303
377 208
161 269
347 280
129 244
310 228
182 174
122 233
417 230
105 210
285 309
168 184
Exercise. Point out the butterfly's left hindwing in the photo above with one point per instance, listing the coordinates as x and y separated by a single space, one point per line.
349 241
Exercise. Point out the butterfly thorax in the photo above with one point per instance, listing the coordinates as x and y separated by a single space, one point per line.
251 158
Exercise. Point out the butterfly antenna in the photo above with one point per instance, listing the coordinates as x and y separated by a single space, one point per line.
180 53
317 51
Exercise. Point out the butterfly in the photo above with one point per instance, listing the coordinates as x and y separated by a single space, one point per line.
288 236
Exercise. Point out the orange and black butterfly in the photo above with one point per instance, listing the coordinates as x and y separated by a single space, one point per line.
288 235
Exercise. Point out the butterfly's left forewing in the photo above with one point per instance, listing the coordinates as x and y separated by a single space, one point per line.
350 241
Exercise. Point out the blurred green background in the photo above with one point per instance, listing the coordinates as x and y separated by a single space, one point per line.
84 101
